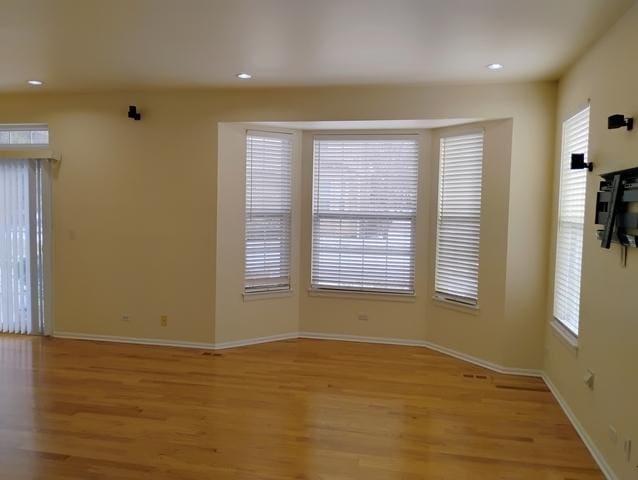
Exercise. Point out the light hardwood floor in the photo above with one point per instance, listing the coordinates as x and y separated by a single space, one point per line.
298 409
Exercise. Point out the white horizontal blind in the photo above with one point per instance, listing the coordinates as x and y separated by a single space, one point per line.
268 211
24 135
571 221
459 218
364 213
15 247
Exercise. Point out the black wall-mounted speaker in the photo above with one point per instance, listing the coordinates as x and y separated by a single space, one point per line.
578 162
618 120
133 113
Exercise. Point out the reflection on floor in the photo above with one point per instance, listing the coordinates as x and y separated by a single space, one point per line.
298 409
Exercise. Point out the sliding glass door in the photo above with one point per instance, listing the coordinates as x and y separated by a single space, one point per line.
24 251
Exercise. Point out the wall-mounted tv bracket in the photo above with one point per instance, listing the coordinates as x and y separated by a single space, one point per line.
617 209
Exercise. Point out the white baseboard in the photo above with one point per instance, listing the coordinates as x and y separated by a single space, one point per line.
312 335
361 339
427 344
175 343
256 340
135 340
524 372
584 436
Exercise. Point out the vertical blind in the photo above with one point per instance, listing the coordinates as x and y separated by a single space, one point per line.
571 221
24 134
268 211
15 247
459 218
364 213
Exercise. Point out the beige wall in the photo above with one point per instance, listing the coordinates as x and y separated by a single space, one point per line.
476 332
336 313
136 205
483 332
507 329
480 333
608 341
235 318
133 213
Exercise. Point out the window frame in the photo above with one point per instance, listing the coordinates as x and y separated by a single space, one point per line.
362 292
457 301
25 127
281 290
562 327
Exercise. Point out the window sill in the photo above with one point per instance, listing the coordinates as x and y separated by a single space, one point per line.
457 306
360 295
255 296
566 337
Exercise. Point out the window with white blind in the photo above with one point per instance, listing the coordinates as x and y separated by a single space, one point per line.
364 213
268 212
571 221
24 135
459 218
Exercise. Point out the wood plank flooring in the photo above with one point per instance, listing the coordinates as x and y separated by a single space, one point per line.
298 409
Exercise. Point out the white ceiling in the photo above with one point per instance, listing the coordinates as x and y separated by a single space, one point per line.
370 124
118 44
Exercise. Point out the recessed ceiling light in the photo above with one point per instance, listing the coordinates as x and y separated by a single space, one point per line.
244 76
495 66
35 83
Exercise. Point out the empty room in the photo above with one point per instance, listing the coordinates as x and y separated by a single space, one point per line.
318 239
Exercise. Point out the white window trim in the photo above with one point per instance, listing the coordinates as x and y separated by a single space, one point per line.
449 300
564 335
362 295
366 136
456 306
564 332
275 291
267 294
437 297
25 127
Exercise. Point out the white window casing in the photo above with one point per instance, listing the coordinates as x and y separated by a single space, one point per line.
24 135
459 218
571 222
364 213
268 212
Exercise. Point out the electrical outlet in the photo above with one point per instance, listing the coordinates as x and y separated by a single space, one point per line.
589 378
362 316
164 320
126 317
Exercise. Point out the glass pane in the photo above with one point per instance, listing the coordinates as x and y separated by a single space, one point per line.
40 137
19 137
